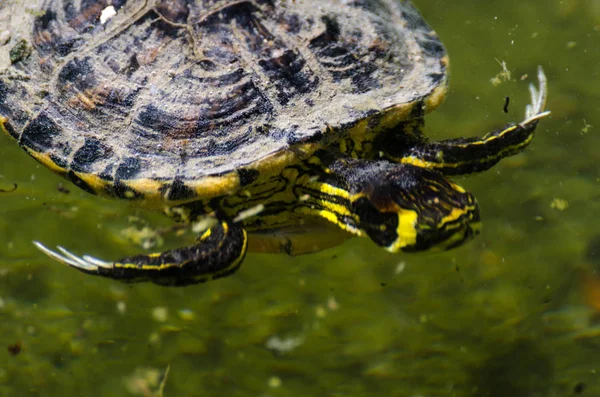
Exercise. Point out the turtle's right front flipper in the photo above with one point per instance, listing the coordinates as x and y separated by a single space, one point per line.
468 155
217 253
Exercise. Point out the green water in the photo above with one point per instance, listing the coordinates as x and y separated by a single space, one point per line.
506 315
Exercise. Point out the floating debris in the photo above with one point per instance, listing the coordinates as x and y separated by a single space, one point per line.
160 314
204 224
400 267
186 315
503 75
586 127
147 382
121 307
506 102
283 345
15 349
559 204
61 188
250 212
274 382
146 237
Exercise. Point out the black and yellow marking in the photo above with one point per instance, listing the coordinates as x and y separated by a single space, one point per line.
217 253
401 207
469 155
38 137
7 128
243 146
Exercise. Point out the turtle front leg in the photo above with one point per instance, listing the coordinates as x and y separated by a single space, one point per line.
469 155
217 253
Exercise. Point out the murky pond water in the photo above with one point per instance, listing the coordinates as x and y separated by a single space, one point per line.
514 313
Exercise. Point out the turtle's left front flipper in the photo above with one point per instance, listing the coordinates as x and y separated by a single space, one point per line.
217 253
468 155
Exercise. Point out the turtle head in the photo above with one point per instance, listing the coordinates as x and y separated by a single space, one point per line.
408 208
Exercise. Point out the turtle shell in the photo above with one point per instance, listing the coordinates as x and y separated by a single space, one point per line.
180 98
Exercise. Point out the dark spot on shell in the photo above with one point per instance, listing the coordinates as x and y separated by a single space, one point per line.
9 128
247 176
158 120
42 94
240 11
121 191
436 78
132 65
120 98
59 160
65 47
3 92
20 51
80 183
174 11
78 72
106 174
343 58
414 21
285 71
49 36
331 33
92 151
40 133
179 191
292 24
314 136
43 21
128 169
112 64
432 47
207 65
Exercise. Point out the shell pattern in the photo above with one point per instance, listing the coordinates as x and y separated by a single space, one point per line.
181 90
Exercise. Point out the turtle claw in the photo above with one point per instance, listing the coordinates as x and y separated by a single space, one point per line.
86 263
535 110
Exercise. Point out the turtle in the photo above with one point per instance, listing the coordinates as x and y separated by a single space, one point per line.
268 125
